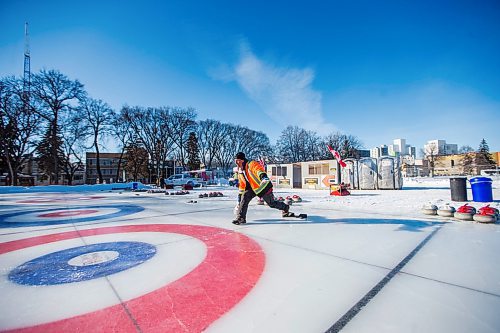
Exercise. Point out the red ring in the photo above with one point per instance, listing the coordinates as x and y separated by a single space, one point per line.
232 266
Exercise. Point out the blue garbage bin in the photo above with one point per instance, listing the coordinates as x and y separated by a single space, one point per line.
135 185
481 189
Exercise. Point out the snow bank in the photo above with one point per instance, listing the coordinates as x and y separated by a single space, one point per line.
75 188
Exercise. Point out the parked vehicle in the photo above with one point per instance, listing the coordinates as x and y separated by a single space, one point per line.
490 172
181 179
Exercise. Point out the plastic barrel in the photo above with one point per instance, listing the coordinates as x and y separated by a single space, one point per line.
481 189
458 187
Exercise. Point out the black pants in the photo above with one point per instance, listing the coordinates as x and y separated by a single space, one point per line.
248 195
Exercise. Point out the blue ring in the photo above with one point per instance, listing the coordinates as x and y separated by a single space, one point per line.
123 210
53 268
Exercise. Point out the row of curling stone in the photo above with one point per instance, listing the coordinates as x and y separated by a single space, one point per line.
211 195
485 214
177 193
290 199
156 190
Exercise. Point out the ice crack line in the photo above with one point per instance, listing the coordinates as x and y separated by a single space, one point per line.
349 315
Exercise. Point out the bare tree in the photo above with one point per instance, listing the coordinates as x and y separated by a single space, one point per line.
467 163
149 126
211 133
74 132
230 145
430 152
314 146
347 145
465 149
297 144
180 123
238 138
291 145
137 162
55 95
19 126
219 142
97 117
122 131
255 144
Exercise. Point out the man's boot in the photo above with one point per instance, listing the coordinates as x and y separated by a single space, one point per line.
285 212
239 221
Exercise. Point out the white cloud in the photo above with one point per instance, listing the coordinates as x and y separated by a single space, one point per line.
284 94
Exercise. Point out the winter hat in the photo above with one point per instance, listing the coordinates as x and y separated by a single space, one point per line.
240 156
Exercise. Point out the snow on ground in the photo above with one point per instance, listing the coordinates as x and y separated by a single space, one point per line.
408 201
416 193
367 262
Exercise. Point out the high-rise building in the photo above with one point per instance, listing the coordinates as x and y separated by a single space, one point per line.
398 148
412 151
382 150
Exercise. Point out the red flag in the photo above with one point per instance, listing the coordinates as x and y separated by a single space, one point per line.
337 156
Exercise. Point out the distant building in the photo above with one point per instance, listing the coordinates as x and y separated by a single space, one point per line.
109 167
412 151
382 150
363 153
440 147
415 168
456 164
398 148
393 151
496 157
453 165
36 176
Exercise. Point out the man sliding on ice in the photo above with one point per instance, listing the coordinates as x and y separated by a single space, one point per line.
256 183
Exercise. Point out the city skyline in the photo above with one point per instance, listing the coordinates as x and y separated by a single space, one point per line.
378 71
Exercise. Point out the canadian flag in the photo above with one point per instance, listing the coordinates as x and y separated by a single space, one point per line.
337 156
262 162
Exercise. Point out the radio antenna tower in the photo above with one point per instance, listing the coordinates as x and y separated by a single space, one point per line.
27 70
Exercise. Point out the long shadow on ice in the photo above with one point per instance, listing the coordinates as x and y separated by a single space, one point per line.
404 225
357 194
409 188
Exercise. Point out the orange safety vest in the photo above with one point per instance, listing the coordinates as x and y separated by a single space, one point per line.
252 171
242 184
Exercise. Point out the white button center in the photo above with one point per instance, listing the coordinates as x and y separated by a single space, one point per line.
93 258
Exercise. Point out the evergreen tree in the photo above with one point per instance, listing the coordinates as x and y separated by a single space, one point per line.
484 160
48 148
193 152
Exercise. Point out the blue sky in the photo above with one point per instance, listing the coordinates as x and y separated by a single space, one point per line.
379 70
